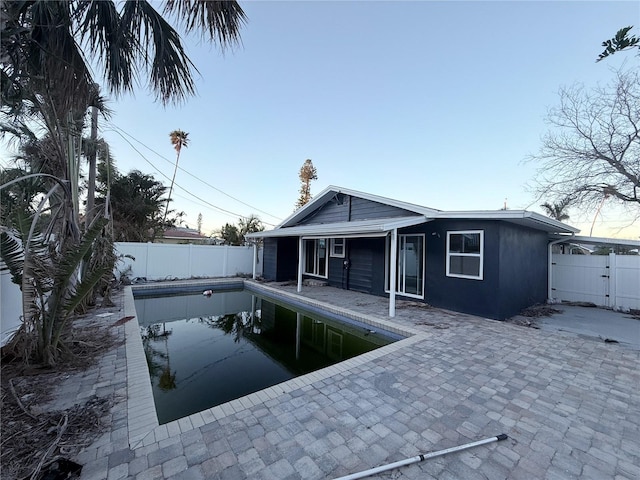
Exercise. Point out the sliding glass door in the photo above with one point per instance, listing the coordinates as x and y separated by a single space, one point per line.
410 265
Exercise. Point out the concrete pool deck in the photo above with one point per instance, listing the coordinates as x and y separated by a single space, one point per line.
569 404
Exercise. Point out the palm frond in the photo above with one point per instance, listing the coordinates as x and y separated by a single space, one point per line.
12 254
161 51
72 257
81 291
219 20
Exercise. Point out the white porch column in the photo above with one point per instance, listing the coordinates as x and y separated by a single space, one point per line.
300 259
255 259
393 267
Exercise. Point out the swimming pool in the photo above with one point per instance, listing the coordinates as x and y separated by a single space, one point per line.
205 351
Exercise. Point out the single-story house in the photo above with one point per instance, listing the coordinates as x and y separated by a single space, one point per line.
487 263
182 235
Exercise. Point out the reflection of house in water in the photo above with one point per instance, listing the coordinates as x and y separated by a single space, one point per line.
319 341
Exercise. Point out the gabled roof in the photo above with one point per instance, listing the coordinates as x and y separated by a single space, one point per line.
328 193
423 214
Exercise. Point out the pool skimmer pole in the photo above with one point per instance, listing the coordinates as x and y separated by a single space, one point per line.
422 457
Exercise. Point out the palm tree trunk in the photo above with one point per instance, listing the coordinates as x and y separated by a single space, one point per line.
91 188
175 170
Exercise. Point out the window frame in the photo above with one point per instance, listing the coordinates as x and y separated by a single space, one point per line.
316 258
479 255
332 252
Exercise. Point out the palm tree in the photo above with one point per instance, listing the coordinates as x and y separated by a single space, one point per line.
46 81
178 140
557 210
248 225
49 42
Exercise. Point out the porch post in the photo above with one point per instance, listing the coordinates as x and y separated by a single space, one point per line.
255 259
300 258
393 266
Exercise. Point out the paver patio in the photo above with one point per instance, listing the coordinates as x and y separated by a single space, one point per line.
570 406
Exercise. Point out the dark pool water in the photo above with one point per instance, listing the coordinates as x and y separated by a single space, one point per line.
205 351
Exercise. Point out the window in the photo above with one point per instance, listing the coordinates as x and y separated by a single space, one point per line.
337 247
465 252
315 257
410 266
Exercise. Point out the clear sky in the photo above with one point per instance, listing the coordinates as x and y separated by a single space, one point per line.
434 103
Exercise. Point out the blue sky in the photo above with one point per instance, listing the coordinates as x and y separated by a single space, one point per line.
432 103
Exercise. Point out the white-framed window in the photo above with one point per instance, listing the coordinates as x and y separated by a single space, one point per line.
315 257
337 247
410 266
465 254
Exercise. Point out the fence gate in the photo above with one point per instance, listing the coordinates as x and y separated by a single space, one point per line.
605 280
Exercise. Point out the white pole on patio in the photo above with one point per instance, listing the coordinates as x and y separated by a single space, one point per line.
393 261
300 258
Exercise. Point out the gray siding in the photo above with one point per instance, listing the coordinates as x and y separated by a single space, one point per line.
280 259
366 210
269 259
344 208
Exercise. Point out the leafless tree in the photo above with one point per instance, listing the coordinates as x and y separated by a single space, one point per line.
592 150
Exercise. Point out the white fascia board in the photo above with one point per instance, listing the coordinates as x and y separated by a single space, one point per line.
532 219
362 228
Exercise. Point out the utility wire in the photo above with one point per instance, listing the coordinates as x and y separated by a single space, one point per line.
119 130
229 212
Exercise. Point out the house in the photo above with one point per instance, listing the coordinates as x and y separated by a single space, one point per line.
181 235
487 263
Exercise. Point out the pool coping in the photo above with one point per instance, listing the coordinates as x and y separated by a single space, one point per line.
143 426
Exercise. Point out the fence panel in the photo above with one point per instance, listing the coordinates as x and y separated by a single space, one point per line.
625 279
159 261
605 280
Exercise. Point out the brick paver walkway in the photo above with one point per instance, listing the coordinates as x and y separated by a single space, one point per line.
570 406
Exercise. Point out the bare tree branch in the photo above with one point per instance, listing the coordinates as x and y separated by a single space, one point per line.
592 150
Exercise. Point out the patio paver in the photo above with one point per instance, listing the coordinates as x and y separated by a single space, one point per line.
570 406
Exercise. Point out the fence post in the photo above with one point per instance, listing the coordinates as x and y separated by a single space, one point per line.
146 260
613 274
190 272
225 257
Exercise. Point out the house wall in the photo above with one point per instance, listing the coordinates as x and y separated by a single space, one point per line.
346 208
514 273
366 266
280 259
523 269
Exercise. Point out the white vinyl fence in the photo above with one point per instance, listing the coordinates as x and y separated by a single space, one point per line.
10 305
160 261
153 261
607 280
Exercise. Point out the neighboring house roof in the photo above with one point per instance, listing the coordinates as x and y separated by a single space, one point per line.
183 234
381 226
603 241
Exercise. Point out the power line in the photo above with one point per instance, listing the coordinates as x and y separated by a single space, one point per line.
187 172
229 212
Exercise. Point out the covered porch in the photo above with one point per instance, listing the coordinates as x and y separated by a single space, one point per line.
378 228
